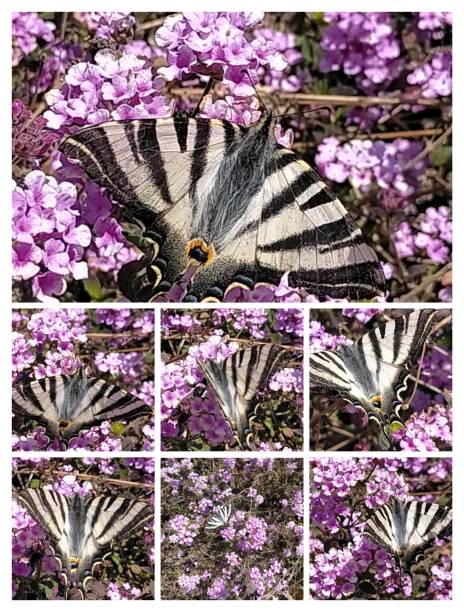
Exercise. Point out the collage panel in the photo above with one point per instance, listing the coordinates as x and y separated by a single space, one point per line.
380 528
380 379
232 529
83 528
232 379
83 379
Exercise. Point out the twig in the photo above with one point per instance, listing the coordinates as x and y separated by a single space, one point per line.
429 148
426 283
153 23
303 98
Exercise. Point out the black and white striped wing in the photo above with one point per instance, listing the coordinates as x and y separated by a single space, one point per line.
51 511
400 341
236 380
219 194
219 519
327 371
67 404
407 528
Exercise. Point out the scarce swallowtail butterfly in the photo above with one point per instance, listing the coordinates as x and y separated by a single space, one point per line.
219 519
406 529
81 529
224 208
67 405
235 382
373 372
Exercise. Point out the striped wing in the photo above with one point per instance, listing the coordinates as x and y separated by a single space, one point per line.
81 531
67 404
407 528
220 518
236 380
327 371
219 194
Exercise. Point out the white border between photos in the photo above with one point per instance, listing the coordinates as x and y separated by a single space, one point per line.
458 321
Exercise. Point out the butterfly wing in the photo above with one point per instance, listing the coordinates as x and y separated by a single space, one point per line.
108 518
327 371
261 209
236 380
40 400
51 511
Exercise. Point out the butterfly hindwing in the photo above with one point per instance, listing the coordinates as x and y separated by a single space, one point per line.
220 194
236 380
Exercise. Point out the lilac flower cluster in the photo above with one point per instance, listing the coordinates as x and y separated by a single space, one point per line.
433 25
29 538
31 139
342 493
393 167
216 43
107 25
364 45
110 87
27 30
49 343
264 533
434 77
434 235
190 414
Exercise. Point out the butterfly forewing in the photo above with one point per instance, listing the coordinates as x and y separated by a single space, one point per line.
236 380
219 519
258 209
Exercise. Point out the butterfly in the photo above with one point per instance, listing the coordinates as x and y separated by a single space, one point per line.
67 405
373 372
406 529
235 382
82 529
223 209
219 519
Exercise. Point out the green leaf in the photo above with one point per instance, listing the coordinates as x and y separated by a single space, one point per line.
441 156
34 483
93 288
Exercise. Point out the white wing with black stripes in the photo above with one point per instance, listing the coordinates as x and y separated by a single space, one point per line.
407 528
236 380
220 518
66 405
82 529
373 372
225 207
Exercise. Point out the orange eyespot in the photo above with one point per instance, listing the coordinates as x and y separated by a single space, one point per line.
63 424
200 252
376 401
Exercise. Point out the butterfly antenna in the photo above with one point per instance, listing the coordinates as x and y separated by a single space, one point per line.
206 91
304 112
260 100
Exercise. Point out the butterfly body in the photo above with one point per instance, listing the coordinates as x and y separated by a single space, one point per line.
82 529
229 201
373 373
